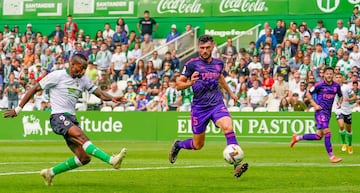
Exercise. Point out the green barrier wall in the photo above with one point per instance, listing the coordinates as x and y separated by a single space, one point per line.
257 127
45 14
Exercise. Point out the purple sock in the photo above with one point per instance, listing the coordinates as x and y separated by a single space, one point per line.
231 138
187 144
328 145
311 137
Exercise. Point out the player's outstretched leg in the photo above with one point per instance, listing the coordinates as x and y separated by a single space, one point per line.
295 138
115 160
177 146
49 173
239 169
328 146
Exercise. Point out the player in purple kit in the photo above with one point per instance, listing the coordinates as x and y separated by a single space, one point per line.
205 75
326 91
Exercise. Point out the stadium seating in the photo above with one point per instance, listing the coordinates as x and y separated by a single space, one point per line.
247 109
106 109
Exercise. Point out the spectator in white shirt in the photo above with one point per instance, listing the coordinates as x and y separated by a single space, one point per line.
255 65
257 96
341 30
118 63
108 32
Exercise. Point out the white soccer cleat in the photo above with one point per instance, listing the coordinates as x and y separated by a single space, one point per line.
117 159
46 174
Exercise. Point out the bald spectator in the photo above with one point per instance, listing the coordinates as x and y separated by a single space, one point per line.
341 30
147 45
257 96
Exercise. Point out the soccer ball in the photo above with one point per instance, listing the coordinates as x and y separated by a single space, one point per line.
233 154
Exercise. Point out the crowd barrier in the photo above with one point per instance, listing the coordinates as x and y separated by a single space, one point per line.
167 126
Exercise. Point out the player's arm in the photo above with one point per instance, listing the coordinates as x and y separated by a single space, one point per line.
311 100
183 82
106 97
28 95
225 86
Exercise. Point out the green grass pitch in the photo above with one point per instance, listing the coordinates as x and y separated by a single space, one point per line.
274 167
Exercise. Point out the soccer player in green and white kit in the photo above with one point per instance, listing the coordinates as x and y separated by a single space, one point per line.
343 115
65 87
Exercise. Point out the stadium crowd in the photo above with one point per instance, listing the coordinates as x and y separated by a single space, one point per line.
271 73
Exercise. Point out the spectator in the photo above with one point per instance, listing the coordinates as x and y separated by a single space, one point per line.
157 62
252 49
345 64
341 30
55 49
283 69
229 52
297 104
29 31
147 45
293 36
47 60
154 86
167 71
294 83
154 105
321 28
255 65
118 64
98 35
260 43
70 26
150 69
288 52
92 56
103 82
173 34
242 96
175 60
12 91
279 31
132 40
114 91
169 60
57 32
130 96
331 60
305 44
350 41
141 102
355 88
120 36
253 78
173 97
280 89
134 54
67 48
355 55
266 58
284 105
303 33
103 59
146 24
296 61
266 27
139 72
301 91
242 69
354 16
267 82
186 98
257 96
317 59
188 40
108 32
121 22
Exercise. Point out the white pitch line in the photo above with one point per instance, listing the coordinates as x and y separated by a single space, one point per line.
323 165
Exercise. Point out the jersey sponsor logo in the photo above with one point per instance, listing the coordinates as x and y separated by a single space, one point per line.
31 125
66 123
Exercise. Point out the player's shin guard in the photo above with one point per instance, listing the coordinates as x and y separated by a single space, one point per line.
91 149
311 136
328 145
187 144
231 138
69 164
349 137
342 136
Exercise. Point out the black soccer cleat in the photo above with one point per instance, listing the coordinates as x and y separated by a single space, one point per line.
174 151
240 169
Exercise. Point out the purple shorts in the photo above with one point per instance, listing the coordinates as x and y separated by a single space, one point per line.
322 119
200 117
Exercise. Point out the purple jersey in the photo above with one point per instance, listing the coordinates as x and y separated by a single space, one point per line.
325 98
206 89
326 94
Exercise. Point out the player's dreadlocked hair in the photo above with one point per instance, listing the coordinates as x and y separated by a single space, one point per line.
205 38
79 59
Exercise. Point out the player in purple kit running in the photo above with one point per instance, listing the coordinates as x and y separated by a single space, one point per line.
204 75
326 91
